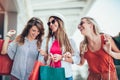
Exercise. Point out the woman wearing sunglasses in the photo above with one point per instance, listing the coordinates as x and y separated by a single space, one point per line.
24 49
61 51
94 49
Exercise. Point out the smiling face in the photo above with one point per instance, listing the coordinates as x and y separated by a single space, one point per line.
53 24
85 26
33 32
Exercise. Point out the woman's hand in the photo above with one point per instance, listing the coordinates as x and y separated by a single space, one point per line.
7 40
11 33
83 48
56 57
107 44
111 48
67 57
42 52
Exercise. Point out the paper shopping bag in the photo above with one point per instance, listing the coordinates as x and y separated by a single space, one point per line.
50 73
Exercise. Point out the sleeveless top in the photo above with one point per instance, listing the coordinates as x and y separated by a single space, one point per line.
55 49
99 61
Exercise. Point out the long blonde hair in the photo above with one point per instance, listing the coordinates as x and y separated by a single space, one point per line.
95 29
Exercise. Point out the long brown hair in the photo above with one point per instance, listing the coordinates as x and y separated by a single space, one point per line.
32 22
61 35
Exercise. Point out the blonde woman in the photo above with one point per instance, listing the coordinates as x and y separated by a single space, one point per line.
92 48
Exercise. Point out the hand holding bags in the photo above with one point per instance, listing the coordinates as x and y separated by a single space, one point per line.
55 72
5 62
50 73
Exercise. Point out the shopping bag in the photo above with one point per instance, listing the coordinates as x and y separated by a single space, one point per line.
50 73
34 75
1 44
5 62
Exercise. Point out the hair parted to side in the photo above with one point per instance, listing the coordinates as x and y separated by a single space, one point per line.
61 35
32 22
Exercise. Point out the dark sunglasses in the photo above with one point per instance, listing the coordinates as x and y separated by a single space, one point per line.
81 23
53 22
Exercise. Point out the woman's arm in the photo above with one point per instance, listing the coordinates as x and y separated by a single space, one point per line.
82 61
7 40
111 48
67 57
43 56
115 55
83 49
72 58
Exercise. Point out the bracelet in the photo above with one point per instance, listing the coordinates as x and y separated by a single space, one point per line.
8 36
63 58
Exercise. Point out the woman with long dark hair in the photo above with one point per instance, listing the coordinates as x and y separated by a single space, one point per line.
24 49
57 48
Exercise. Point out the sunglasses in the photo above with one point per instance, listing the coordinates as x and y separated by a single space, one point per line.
81 23
53 22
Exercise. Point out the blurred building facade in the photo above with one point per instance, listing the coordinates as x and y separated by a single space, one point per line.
15 13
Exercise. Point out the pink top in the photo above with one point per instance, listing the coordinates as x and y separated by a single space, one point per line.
55 49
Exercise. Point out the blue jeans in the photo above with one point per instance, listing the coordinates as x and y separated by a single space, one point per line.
69 78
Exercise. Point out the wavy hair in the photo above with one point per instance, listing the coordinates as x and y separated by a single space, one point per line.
32 22
95 28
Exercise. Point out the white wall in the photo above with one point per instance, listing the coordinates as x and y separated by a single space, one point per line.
107 15
24 14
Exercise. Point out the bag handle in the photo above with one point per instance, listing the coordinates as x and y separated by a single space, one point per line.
37 56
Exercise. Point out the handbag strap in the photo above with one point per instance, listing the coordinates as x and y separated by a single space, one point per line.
37 56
